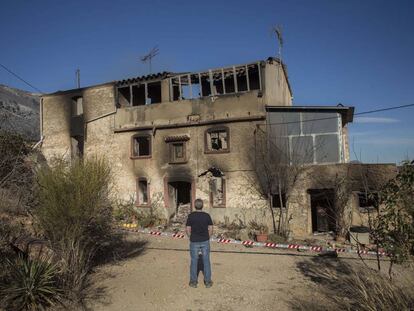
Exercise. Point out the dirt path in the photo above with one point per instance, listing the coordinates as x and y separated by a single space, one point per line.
244 279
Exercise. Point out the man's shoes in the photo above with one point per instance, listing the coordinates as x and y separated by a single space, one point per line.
193 284
208 284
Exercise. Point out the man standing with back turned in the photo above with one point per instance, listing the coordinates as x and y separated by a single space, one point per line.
199 228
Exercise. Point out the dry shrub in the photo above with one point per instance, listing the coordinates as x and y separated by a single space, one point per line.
353 287
369 290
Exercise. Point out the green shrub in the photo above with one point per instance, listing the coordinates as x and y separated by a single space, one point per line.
74 200
29 284
75 214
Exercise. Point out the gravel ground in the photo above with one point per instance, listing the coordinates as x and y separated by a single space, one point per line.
244 279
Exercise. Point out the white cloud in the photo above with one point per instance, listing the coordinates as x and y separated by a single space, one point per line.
375 120
388 141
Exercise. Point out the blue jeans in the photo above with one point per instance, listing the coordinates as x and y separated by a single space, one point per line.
204 248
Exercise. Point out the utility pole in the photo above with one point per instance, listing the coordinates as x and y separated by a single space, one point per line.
148 57
77 73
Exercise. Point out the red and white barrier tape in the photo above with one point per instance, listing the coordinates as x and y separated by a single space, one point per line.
318 249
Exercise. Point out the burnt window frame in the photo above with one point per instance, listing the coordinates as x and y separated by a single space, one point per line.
206 137
137 201
224 186
132 154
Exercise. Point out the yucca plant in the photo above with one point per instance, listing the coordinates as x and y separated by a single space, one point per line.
30 284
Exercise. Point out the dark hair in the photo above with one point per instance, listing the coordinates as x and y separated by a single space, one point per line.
198 204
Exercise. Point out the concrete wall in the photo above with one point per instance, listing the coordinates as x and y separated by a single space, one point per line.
208 108
276 89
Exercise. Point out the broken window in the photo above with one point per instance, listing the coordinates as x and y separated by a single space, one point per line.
217 139
254 77
367 200
124 96
138 95
142 192
77 106
276 200
141 146
218 192
215 82
154 93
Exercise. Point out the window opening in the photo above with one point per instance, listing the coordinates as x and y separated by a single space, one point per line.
322 210
242 79
254 77
143 190
153 93
205 84
229 82
124 96
217 139
77 106
141 146
217 192
276 201
138 95
367 200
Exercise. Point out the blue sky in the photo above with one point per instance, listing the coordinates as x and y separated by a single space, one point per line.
358 53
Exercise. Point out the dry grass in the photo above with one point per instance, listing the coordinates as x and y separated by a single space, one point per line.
345 286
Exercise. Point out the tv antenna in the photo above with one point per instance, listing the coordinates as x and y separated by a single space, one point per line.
277 30
148 57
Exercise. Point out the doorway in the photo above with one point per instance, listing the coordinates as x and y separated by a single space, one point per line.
322 210
179 197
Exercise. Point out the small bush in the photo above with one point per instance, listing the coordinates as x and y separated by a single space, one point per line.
29 284
74 200
75 214
275 238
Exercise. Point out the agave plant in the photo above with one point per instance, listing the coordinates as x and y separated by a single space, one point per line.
29 284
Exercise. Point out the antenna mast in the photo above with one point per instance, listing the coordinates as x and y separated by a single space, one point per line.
77 72
278 32
148 57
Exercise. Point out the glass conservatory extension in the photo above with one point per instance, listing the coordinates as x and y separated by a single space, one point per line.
307 135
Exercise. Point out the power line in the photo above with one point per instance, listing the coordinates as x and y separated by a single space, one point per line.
336 117
21 79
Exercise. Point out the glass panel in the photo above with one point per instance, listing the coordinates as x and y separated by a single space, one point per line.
302 149
327 148
325 122
285 123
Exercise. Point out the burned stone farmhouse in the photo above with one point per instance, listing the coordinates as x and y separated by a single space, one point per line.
174 137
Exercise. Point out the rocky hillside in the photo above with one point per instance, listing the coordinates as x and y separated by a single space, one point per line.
19 112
